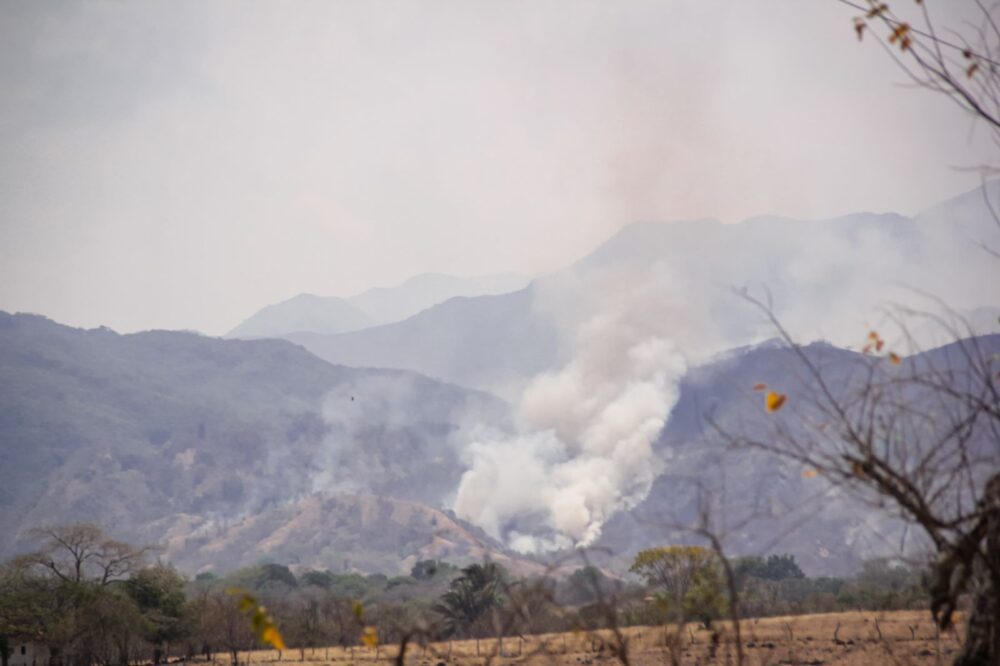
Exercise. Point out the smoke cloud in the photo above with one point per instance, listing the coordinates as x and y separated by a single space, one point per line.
584 443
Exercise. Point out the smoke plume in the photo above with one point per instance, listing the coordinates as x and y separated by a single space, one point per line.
584 446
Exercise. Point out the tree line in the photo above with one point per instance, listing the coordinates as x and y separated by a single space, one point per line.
92 600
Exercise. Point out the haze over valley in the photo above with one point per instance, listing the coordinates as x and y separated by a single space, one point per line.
589 409
341 326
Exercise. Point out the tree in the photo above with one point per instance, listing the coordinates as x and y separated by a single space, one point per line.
958 61
586 585
919 436
82 552
474 592
224 624
158 592
428 569
690 579
89 598
775 567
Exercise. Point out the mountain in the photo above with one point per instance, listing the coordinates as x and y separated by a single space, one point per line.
388 304
372 534
230 452
760 503
827 279
381 305
304 312
154 428
492 341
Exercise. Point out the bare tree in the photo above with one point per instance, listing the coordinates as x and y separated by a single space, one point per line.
77 553
961 61
919 436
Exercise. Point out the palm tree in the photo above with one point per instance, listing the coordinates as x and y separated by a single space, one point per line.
469 597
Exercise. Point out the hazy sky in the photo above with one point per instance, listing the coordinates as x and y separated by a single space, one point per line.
180 164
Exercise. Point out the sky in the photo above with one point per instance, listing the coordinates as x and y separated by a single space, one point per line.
182 164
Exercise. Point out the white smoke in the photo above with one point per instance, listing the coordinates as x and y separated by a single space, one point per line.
584 447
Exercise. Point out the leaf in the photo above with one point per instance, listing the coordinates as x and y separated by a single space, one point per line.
877 10
895 358
899 34
774 401
876 343
262 624
972 69
859 27
272 637
370 637
760 386
810 473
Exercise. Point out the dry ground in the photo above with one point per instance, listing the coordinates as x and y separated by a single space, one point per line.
864 638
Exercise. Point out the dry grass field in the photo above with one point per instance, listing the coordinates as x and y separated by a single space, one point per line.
863 638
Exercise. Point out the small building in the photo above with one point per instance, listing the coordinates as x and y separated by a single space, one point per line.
28 654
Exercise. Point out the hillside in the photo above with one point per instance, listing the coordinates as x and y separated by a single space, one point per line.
234 452
338 532
760 503
127 430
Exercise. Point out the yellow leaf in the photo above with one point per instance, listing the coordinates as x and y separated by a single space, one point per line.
272 637
894 358
877 11
810 473
370 637
774 401
899 34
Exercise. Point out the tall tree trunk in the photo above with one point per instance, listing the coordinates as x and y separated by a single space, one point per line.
982 637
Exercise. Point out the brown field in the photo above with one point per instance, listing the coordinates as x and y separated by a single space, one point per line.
899 637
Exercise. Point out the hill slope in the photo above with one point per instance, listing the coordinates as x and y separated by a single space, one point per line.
338 532
760 503
126 430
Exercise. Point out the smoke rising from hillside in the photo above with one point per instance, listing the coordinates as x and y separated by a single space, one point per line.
584 446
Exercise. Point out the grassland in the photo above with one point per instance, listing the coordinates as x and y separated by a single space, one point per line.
863 638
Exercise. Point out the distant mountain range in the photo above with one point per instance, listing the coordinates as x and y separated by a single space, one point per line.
307 313
827 279
344 450
236 452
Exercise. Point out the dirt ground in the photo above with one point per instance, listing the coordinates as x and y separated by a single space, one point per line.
863 639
